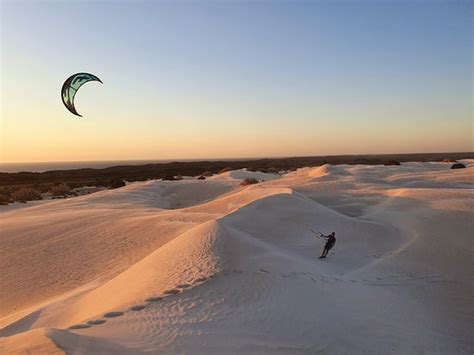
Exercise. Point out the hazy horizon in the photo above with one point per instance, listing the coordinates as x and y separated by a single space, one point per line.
232 158
42 166
235 79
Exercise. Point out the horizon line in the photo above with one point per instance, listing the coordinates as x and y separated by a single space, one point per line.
228 158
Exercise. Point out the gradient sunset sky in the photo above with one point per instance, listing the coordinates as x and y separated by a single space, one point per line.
226 79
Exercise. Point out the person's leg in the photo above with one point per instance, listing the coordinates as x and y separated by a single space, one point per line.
328 247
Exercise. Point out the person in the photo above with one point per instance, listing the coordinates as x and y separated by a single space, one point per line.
330 242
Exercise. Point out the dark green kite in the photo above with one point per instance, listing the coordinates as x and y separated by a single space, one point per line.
70 87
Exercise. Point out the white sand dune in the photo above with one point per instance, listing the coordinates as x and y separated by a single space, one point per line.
239 175
210 267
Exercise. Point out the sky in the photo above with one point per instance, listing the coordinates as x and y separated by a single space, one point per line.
229 79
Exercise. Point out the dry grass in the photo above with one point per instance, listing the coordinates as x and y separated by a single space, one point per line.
25 194
59 190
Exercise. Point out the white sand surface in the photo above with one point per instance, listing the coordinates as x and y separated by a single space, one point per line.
210 267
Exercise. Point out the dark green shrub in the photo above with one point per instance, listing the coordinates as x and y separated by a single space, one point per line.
168 177
116 183
392 162
458 166
248 181
4 199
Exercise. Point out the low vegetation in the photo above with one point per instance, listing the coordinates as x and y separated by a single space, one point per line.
458 166
25 194
115 184
60 189
249 181
392 162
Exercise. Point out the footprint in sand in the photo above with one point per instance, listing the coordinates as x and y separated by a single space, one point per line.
79 326
183 286
137 308
113 314
171 292
96 321
154 299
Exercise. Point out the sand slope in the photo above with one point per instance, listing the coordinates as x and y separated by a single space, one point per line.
209 267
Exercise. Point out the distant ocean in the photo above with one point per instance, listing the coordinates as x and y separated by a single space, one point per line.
68 165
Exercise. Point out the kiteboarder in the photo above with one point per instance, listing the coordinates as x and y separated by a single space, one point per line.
330 242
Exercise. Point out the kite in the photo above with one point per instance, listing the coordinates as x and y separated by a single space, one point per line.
71 86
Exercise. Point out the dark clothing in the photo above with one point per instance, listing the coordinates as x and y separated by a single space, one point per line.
331 239
329 245
330 242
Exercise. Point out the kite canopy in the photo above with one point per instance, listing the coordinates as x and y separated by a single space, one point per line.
71 86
